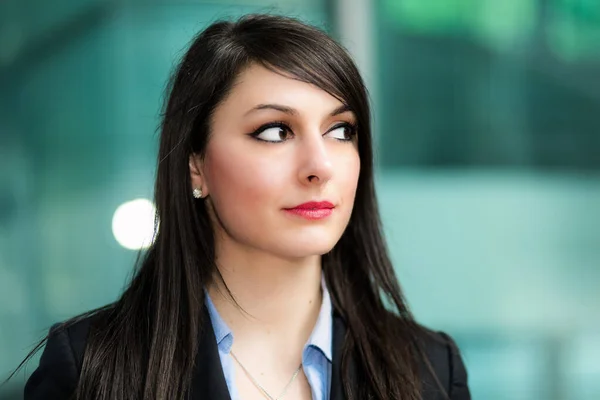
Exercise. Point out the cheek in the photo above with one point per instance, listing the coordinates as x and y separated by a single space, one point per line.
239 182
349 173
349 184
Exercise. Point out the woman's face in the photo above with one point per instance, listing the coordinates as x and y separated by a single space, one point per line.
276 145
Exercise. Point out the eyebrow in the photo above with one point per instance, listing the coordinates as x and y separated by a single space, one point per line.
291 111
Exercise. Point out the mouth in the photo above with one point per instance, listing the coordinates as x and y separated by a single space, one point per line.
312 210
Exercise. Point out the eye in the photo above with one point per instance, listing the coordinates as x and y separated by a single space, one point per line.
275 132
343 132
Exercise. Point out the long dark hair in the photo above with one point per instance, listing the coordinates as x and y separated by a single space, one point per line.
143 345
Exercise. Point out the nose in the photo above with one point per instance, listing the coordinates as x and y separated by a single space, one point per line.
316 166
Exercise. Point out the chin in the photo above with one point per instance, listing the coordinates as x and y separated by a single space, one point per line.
306 247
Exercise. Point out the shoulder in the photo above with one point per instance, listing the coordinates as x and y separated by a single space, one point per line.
76 332
442 365
60 364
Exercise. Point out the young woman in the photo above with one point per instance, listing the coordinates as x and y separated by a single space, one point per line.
269 276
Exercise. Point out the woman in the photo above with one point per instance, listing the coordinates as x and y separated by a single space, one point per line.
269 276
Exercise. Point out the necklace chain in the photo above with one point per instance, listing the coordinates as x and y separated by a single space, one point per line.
259 386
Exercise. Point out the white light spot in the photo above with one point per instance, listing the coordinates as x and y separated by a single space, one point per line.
133 224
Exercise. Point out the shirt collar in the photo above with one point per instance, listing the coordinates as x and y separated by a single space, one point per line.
320 338
223 333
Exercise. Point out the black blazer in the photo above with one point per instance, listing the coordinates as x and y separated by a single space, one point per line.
57 374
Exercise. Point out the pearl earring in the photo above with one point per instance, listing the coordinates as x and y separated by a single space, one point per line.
197 193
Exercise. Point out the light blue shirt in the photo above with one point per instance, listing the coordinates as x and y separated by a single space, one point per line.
316 355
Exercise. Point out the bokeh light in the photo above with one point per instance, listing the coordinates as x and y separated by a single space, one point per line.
133 224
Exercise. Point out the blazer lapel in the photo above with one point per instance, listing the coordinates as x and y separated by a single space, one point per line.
339 336
208 381
431 390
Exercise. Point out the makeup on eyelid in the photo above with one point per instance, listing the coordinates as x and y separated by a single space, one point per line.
285 127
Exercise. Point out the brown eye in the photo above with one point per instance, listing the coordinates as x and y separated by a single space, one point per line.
273 133
343 132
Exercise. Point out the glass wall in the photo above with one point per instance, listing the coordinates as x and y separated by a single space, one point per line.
489 145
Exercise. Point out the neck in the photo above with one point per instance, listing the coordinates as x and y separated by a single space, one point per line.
278 300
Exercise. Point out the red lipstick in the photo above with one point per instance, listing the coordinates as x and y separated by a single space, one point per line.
312 210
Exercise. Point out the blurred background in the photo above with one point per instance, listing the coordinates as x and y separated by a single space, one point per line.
487 123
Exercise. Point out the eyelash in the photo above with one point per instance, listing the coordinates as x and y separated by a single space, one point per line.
280 124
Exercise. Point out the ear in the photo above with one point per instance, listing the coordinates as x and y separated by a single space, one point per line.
196 174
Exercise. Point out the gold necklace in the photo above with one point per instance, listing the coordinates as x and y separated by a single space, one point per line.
259 386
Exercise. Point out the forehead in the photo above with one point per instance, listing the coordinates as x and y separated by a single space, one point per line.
258 85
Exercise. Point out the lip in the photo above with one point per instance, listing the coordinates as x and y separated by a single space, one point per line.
313 205
312 210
